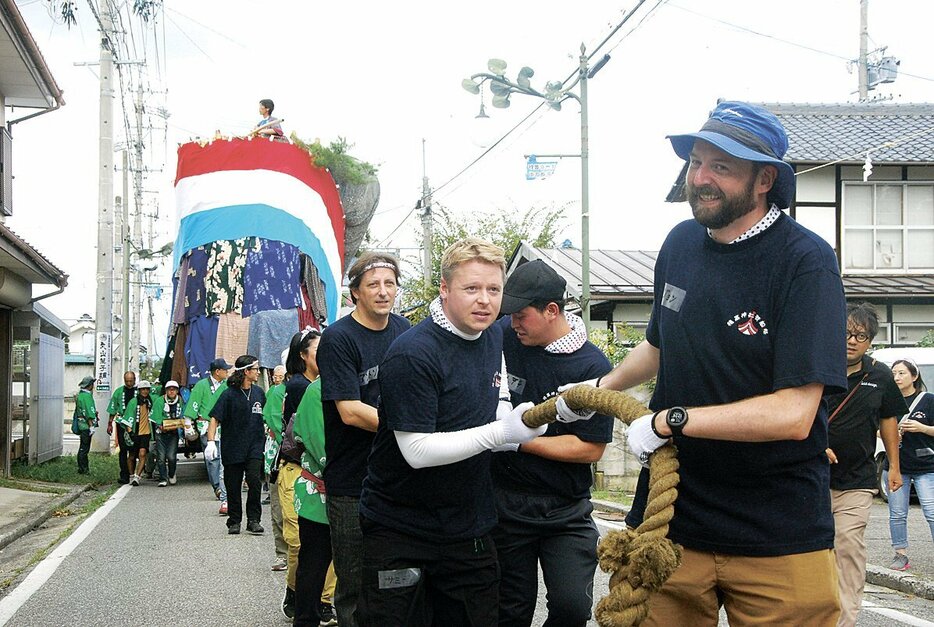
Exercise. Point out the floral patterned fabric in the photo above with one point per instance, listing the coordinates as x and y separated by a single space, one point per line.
223 281
271 277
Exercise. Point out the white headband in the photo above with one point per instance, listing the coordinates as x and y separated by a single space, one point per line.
248 366
370 266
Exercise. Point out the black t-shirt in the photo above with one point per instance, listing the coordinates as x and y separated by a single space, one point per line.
434 381
734 321
294 391
349 355
852 433
241 414
534 375
916 451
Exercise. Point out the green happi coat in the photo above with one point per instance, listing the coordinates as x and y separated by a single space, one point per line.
310 500
131 415
272 416
85 410
202 401
116 406
165 410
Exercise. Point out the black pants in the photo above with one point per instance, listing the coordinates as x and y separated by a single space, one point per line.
121 445
560 535
314 557
83 448
233 478
410 581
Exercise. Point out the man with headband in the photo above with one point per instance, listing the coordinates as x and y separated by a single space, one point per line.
349 355
240 410
744 338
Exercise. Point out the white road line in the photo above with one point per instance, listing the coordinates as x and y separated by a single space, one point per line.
44 569
901 617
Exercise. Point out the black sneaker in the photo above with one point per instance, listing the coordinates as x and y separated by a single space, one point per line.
288 603
255 528
328 618
233 529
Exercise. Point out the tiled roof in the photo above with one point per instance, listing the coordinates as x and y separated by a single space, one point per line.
904 286
616 274
18 254
819 133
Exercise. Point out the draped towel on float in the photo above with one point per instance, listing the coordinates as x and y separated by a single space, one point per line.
236 188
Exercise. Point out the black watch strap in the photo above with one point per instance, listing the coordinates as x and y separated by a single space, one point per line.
654 430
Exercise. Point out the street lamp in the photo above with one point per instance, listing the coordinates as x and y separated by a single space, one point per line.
554 94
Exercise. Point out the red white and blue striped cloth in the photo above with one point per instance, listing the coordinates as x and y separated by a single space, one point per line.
236 188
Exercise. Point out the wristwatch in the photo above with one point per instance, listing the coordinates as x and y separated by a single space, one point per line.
676 418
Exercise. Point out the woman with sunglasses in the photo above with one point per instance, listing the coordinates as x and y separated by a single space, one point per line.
916 458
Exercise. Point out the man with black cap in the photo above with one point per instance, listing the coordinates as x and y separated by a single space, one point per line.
203 397
744 338
542 487
86 413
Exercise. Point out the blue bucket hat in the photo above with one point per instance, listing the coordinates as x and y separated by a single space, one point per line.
746 132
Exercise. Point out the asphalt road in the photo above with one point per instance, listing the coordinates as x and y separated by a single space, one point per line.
162 556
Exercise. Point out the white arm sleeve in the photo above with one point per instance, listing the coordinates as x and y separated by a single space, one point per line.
423 450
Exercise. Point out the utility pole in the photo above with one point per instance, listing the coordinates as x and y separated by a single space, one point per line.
585 194
426 222
863 64
125 235
137 227
103 349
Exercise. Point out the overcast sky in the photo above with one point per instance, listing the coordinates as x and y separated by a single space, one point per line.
386 75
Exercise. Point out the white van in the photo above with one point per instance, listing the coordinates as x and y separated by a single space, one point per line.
924 358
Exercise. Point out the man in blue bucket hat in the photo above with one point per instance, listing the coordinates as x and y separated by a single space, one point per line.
744 338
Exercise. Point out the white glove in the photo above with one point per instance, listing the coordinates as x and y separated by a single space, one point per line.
642 439
503 409
515 430
505 448
566 414
567 386
210 451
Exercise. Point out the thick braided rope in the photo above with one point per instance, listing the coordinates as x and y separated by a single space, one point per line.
639 560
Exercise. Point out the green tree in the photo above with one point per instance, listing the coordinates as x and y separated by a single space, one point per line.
928 340
539 226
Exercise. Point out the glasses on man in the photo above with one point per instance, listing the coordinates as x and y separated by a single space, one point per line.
860 337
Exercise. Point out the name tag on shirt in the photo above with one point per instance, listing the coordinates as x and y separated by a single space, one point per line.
673 297
516 384
370 375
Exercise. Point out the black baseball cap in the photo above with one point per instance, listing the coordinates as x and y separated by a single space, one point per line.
220 364
533 281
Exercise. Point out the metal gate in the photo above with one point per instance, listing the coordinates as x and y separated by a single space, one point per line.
45 417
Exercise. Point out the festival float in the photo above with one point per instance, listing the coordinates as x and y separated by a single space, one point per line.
265 230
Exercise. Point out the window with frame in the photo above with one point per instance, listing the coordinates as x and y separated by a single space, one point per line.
888 227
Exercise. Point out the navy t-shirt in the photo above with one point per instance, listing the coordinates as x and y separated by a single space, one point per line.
434 381
241 413
534 375
349 355
852 432
294 391
734 321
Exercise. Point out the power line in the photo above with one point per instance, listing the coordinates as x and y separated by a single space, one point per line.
785 41
574 73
